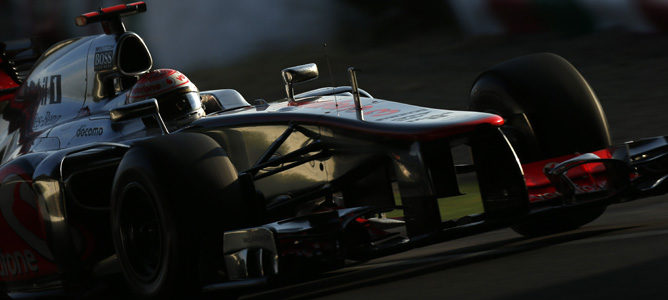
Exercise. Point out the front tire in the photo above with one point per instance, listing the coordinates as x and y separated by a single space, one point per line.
550 110
172 198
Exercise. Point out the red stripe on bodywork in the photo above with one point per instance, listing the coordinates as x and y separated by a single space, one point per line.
172 88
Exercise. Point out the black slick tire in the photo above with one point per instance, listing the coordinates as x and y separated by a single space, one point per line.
172 198
550 110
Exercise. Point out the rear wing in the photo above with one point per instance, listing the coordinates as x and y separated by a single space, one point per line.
16 60
110 17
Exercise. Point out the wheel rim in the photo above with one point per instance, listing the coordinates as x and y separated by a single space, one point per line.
141 232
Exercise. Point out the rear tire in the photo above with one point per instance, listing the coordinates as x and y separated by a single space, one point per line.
172 198
550 110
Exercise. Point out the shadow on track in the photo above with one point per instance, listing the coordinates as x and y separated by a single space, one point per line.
386 272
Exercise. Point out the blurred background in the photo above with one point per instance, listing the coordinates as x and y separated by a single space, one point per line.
422 52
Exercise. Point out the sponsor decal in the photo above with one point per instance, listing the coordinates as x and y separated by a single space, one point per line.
84 131
593 187
580 188
46 119
416 115
17 263
45 90
381 114
406 116
333 105
149 88
12 194
104 58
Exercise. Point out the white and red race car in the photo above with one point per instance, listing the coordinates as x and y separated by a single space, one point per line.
245 193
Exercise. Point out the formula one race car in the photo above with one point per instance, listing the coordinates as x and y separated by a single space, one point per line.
109 167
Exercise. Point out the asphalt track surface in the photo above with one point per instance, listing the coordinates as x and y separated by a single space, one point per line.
621 255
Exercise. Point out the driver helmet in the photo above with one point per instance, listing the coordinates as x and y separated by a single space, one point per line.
178 98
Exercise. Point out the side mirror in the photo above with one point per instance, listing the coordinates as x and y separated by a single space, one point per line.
298 74
141 109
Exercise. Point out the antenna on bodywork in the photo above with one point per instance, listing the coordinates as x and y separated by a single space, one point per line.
110 17
356 92
331 77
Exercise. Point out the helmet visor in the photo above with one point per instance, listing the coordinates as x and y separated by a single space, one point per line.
174 106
